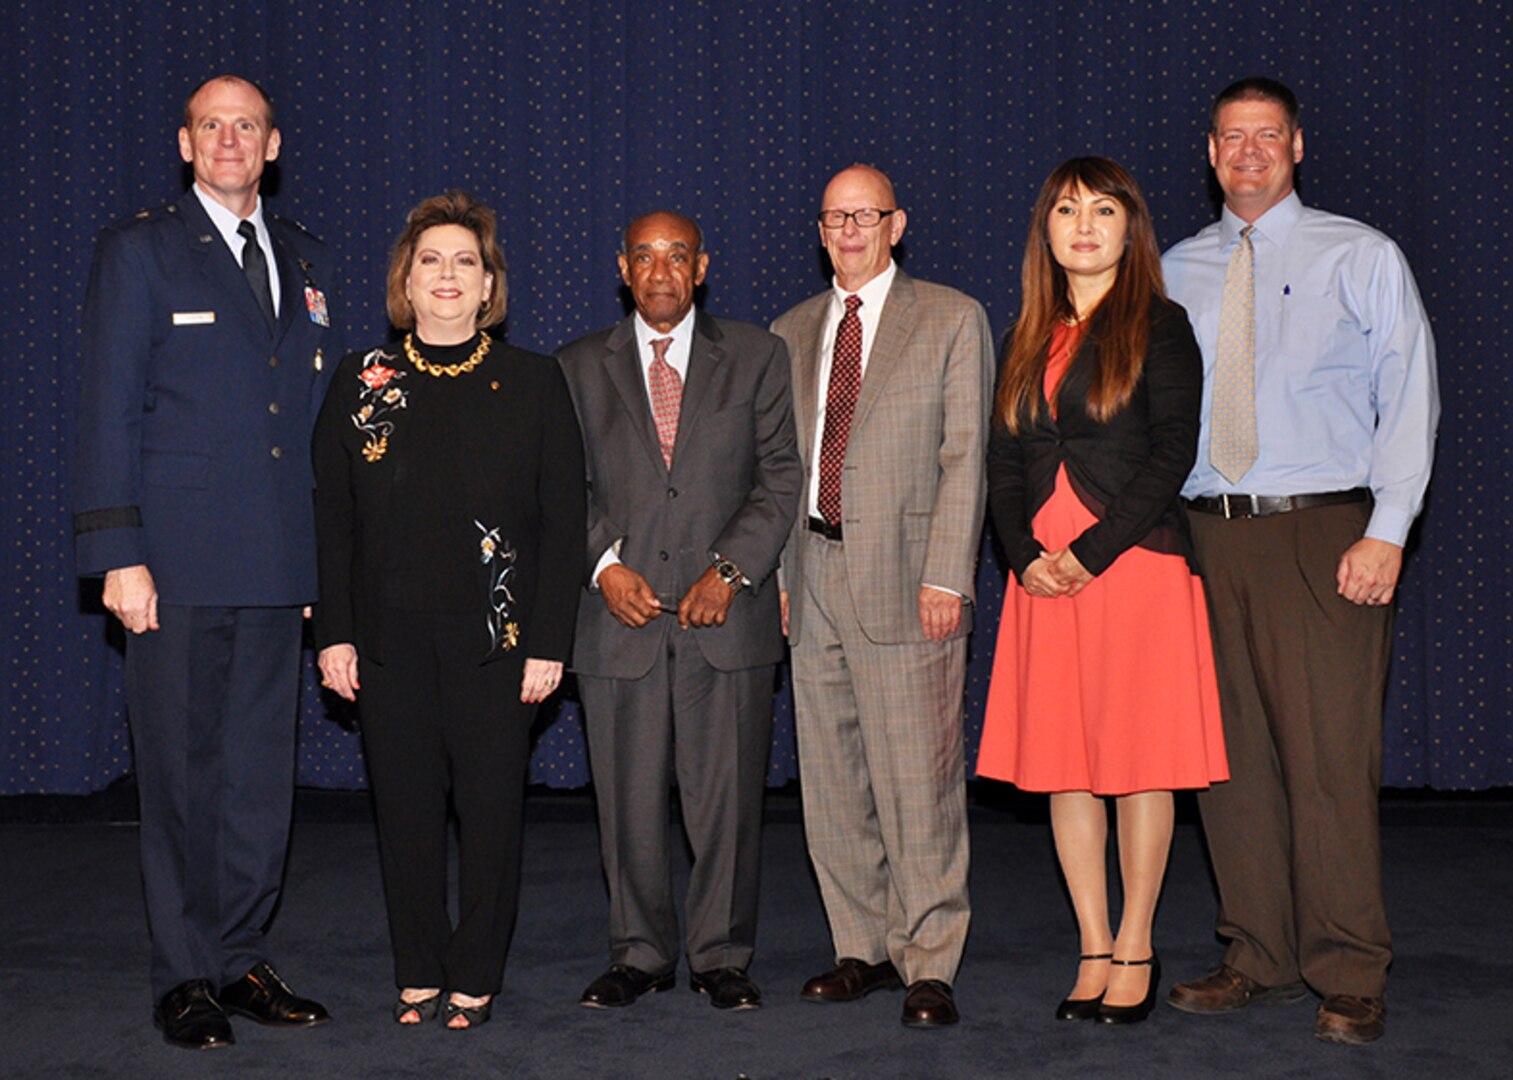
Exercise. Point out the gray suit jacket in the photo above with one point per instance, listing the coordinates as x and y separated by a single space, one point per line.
733 488
913 489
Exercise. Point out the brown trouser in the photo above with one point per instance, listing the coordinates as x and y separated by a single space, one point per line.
1302 672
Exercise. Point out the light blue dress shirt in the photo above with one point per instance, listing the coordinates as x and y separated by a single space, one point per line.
1346 391
226 224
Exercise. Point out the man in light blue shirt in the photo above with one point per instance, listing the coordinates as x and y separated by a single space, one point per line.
1319 415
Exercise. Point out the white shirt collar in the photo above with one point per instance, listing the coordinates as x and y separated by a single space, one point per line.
226 222
677 352
873 294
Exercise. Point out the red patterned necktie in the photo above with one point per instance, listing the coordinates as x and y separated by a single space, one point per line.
666 396
840 405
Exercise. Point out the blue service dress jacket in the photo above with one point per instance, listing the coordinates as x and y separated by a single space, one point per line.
195 418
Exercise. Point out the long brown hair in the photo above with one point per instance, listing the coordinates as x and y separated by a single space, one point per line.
1123 315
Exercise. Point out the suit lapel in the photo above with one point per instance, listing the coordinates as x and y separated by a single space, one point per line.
622 365
218 264
703 365
292 275
893 332
810 334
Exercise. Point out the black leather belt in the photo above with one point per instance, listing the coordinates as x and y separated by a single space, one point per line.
1252 506
825 529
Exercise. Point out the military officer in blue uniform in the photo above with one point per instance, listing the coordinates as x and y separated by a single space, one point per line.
207 343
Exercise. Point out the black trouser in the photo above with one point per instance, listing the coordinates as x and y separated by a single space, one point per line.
435 721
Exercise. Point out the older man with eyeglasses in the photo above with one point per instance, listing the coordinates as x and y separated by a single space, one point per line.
892 382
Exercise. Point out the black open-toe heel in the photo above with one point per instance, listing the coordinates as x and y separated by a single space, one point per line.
425 1008
473 1014
1082 1008
1133 1014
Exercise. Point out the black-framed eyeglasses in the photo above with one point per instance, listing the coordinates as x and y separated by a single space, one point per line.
869 217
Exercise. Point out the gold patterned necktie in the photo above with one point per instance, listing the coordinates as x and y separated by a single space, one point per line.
1232 444
666 396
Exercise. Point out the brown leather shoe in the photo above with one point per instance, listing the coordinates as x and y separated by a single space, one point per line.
851 979
1224 990
1344 1018
929 1004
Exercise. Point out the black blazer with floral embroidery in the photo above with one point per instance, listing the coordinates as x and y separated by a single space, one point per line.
523 489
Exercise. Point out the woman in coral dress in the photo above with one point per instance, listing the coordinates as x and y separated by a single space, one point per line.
1103 683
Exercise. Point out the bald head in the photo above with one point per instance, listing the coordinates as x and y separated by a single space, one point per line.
868 175
664 219
857 253
228 80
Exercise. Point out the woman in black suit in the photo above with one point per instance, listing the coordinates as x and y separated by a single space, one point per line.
1103 681
450 515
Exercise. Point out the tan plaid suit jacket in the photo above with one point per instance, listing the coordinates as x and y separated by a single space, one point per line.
914 491
878 705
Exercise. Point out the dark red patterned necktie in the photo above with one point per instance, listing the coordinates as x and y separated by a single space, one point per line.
840 405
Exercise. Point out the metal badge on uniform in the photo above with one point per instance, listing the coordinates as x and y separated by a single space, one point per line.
193 318
315 300
320 360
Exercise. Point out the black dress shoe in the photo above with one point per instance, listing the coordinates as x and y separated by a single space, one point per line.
263 996
622 984
929 1003
851 979
1133 1014
728 988
188 1016
1082 1008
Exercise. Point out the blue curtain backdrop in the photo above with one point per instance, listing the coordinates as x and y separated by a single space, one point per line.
570 118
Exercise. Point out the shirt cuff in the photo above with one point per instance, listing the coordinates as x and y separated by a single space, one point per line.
611 557
942 588
1389 523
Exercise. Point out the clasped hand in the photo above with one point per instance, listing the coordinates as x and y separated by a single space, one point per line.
631 599
1056 573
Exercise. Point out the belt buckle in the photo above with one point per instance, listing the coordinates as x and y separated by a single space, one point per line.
1238 509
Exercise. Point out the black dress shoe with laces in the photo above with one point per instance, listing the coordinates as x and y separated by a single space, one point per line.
622 984
188 1016
262 996
728 988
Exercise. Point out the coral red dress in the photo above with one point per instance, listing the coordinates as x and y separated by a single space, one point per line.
1113 690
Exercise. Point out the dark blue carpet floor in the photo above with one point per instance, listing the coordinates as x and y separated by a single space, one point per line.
73 963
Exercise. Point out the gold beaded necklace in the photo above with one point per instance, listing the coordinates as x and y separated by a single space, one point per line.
453 370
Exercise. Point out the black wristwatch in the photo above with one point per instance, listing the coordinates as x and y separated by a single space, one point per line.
729 572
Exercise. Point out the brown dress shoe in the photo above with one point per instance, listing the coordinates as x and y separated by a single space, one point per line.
851 979
929 1004
1224 990
1344 1018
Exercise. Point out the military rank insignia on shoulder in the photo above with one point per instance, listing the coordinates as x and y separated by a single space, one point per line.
300 226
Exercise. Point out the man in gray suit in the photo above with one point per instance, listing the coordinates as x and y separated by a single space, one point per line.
893 383
694 481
